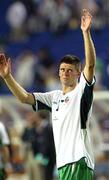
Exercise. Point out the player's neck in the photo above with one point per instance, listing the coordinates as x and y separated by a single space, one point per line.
67 89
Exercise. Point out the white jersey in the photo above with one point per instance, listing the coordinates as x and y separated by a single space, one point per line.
4 140
70 117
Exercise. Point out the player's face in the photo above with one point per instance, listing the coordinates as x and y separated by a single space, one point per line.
68 74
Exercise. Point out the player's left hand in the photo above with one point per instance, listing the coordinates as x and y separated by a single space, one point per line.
86 20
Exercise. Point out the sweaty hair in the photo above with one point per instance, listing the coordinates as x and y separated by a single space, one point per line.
71 59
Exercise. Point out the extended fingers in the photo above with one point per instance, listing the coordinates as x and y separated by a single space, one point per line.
86 13
2 58
9 61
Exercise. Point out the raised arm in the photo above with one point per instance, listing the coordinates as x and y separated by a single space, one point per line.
90 55
15 88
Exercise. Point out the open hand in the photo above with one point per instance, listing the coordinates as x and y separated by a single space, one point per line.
86 20
5 66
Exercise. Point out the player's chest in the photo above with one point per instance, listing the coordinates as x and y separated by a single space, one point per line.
64 103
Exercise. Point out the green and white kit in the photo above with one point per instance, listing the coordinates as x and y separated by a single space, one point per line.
70 119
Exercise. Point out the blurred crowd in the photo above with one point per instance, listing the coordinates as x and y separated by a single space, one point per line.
31 16
37 137
32 151
38 71
24 18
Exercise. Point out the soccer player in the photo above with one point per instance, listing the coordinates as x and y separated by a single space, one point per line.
71 107
4 151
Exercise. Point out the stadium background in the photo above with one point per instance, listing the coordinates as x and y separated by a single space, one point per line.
36 38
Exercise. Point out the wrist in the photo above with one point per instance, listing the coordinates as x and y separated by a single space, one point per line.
6 77
86 32
86 35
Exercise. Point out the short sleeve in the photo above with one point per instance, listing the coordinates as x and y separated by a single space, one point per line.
84 81
4 135
43 100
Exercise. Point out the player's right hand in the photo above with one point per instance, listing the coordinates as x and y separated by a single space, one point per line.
5 66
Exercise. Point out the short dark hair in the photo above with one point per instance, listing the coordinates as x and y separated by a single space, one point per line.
71 59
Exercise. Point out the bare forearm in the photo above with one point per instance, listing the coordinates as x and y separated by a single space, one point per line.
90 55
15 88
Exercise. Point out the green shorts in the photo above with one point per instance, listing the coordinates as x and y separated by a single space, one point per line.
75 171
2 174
